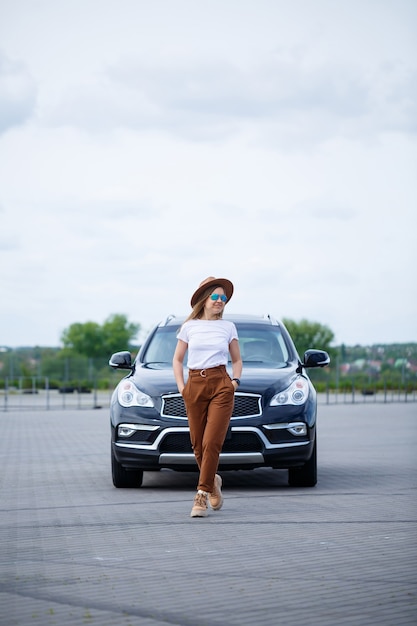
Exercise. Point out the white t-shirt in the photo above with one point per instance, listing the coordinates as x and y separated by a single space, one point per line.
208 342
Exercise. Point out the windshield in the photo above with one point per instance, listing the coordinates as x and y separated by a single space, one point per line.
259 346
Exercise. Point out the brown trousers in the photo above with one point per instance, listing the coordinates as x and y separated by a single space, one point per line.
209 398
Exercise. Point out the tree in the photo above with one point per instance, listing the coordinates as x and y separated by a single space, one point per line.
118 333
99 342
306 334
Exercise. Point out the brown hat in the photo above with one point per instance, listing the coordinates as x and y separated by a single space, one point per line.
212 282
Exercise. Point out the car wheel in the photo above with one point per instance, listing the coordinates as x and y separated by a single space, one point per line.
306 475
123 478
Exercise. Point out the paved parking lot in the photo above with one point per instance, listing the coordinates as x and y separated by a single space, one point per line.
75 550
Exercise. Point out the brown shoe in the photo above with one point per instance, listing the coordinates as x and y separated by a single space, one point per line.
200 505
215 497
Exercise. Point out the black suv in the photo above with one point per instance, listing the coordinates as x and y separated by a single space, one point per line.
274 416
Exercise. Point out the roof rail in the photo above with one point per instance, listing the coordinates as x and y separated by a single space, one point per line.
273 321
168 319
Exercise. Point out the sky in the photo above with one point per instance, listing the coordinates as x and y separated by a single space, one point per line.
146 145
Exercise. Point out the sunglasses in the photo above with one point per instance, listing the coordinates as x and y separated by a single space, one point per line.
216 296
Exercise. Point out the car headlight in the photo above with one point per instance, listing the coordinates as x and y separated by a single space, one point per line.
296 393
129 395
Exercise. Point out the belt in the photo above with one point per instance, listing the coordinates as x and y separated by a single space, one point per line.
209 371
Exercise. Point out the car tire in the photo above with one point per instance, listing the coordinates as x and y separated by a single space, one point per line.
306 475
123 478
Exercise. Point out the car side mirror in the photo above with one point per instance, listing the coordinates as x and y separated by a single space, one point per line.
121 361
316 358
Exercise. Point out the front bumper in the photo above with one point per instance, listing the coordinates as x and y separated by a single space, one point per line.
245 447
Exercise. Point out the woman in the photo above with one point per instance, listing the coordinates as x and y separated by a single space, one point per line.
209 391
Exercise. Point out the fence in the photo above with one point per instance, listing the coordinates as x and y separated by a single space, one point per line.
359 396
39 395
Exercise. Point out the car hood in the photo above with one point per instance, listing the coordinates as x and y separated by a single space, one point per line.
157 379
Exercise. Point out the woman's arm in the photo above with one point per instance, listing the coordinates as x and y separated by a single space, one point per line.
177 364
236 361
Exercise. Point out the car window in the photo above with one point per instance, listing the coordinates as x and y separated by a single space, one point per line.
263 346
259 346
162 346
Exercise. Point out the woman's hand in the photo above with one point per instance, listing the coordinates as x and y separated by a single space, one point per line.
177 364
236 361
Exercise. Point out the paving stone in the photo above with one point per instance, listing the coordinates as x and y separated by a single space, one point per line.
75 550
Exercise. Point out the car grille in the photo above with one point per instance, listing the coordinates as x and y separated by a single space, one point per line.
238 442
246 405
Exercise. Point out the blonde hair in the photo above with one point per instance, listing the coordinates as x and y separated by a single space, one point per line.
198 308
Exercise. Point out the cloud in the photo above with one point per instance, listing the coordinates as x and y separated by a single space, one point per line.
282 99
270 142
8 242
324 209
17 93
